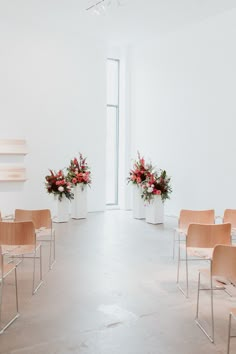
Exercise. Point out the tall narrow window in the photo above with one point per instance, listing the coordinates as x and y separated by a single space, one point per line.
112 141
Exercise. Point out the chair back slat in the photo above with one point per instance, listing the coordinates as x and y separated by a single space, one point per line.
17 233
224 262
208 236
40 218
188 217
230 216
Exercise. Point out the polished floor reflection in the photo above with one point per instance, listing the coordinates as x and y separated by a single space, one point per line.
112 290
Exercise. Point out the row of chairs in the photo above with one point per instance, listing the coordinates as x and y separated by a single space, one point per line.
187 217
21 238
202 239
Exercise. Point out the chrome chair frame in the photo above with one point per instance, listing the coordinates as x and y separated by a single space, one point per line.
214 285
231 315
42 232
200 237
13 268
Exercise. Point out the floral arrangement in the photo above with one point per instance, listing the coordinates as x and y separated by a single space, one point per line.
78 171
140 171
156 184
57 184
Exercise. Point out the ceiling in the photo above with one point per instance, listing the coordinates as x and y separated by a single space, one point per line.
139 20
135 20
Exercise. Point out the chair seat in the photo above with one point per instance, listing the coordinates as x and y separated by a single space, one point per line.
21 249
205 253
218 280
181 231
44 232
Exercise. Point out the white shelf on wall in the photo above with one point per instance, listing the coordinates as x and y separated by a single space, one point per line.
13 147
12 173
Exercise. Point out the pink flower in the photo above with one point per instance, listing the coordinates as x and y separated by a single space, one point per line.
157 192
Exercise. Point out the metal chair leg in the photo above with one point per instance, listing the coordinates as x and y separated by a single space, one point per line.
210 337
185 293
2 329
174 238
229 333
52 243
186 268
35 289
1 293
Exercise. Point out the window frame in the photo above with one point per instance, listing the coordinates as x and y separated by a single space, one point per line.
117 108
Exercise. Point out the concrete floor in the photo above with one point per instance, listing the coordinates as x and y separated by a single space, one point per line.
112 290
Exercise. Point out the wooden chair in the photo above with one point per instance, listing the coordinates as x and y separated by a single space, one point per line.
222 273
18 239
200 241
5 270
230 216
43 224
187 217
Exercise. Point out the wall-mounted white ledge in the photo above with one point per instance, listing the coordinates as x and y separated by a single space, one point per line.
13 147
12 173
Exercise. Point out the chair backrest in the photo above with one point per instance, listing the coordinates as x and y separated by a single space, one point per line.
230 216
17 233
224 262
187 217
40 218
208 236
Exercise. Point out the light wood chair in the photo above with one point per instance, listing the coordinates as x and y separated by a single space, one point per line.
230 216
43 224
187 217
18 239
200 241
5 270
222 273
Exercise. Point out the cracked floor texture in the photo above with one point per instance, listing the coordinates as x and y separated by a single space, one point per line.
112 290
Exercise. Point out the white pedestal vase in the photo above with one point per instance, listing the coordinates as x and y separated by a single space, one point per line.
138 204
155 211
62 210
79 203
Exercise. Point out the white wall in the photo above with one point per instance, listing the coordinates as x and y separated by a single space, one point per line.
53 94
183 111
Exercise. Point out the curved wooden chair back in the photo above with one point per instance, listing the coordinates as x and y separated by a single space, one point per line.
224 262
208 236
188 217
230 216
17 233
40 218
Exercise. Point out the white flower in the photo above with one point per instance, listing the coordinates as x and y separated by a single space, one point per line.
152 185
150 190
61 189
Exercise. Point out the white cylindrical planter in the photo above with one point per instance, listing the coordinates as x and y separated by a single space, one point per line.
138 203
79 203
155 211
62 210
